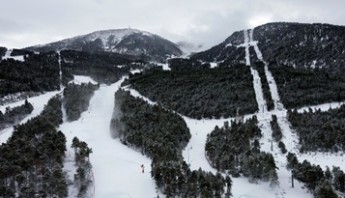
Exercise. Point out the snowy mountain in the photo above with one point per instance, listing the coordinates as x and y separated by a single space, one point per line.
244 126
124 41
294 44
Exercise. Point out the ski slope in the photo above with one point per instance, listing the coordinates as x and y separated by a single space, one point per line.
38 103
116 168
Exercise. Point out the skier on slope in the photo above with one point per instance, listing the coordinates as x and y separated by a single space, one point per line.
142 168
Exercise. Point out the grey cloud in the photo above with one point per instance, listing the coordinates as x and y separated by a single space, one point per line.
206 22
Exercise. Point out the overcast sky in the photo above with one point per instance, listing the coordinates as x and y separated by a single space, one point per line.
208 22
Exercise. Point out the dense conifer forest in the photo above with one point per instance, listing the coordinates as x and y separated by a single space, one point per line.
31 161
38 73
102 67
277 134
13 116
320 131
161 135
2 52
76 99
299 87
321 183
200 93
236 149
83 176
260 68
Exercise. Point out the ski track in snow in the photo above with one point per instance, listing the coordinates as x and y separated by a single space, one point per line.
194 153
246 45
116 167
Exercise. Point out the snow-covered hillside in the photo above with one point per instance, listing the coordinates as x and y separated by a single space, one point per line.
125 41
117 168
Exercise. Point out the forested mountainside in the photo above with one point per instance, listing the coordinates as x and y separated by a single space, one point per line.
302 45
200 93
103 67
258 115
47 71
124 41
306 60
292 44
38 73
236 149
161 135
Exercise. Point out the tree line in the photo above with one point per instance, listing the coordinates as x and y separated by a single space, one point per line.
161 135
323 184
31 160
277 134
200 93
3 51
77 98
83 176
319 131
13 116
235 149
38 73
300 87
102 67
260 68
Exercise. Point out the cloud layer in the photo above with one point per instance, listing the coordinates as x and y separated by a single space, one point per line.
24 23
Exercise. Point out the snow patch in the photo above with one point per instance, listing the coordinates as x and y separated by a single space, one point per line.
38 103
79 79
214 65
8 56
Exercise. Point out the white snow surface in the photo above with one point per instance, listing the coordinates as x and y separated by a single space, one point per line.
79 79
246 45
8 56
116 167
214 64
38 102
165 66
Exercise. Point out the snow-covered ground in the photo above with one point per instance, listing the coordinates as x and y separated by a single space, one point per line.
165 66
116 167
246 46
194 155
8 55
38 102
78 79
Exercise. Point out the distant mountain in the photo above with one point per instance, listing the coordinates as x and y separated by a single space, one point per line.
295 44
124 41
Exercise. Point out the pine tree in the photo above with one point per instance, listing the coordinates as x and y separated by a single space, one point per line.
325 190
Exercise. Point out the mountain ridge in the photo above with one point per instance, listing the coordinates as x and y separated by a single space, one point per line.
289 43
125 41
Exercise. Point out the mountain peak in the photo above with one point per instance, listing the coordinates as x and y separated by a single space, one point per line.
125 41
